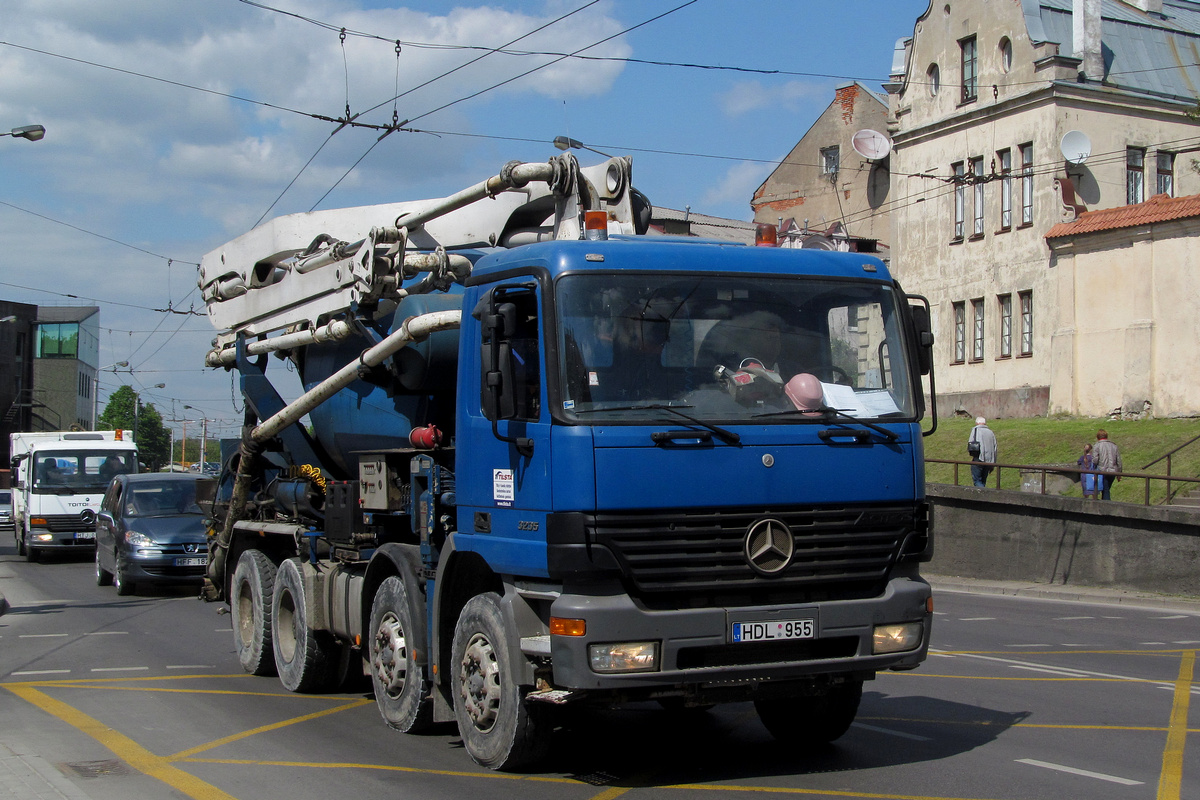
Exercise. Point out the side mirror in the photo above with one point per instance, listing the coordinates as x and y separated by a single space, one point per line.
924 333
497 399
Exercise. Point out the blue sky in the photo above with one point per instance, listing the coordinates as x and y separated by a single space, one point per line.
168 172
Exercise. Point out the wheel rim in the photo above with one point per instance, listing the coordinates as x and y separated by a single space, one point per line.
479 682
97 563
286 634
245 603
390 661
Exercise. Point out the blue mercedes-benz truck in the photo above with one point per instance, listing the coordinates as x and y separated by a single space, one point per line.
594 469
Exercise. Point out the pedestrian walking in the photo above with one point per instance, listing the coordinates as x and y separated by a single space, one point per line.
1087 480
1108 464
982 449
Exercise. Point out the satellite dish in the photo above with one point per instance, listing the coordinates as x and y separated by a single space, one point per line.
871 145
1075 147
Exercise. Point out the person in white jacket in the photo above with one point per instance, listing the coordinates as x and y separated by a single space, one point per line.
982 435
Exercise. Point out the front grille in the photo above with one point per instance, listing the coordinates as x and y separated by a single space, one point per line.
696 557
66 523
742 655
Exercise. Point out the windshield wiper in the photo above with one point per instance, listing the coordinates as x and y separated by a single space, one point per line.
829 411
727 436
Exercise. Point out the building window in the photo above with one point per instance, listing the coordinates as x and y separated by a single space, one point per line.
1006 326
977 179
1005 159
830 157
1027 184
970 67
960 333
1026 323
1005 54
977 330
960 199
935 79
1166 174
58 340
1135 175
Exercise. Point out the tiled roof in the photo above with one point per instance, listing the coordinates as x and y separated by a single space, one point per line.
1160 208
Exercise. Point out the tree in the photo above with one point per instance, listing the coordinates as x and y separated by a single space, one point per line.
152 438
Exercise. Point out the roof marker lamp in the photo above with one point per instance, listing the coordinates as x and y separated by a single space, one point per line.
766 235
595 225
31 132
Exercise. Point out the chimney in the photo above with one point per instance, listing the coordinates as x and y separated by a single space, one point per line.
1085 23
1149 6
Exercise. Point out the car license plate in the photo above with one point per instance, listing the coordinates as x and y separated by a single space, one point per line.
85 535
198 561
774 630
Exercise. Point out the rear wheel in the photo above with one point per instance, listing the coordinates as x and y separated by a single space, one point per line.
250 608
400 689
103 576
814 720
306 659
499 729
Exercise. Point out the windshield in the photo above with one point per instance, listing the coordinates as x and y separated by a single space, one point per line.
161 498
730 348
79 471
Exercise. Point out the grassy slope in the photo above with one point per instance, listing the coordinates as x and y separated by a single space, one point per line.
1060 440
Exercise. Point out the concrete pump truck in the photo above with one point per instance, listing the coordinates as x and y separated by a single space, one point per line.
541 457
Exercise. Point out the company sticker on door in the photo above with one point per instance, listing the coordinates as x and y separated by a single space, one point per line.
504 489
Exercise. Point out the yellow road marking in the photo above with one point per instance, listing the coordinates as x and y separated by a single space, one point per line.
123 747
249 762
272 727
817 792
1171 779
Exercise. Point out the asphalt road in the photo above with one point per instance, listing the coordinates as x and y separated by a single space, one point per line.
105 697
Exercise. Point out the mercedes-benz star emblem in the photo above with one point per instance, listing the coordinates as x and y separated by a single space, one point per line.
769 546
88 516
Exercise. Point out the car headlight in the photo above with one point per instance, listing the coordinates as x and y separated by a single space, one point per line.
897 638
138 539
623 657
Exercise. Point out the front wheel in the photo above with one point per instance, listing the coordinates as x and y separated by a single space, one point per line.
400 688
19 535
121 583
811 720
499 729
250 612
103 576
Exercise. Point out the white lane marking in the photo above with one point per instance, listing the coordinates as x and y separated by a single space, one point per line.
1188 641
43 635
107 633
976 619
1073 644
1026 645
42 672
890 732
1106 617
1081 672
1085 773
1175 616
1070 619
939 613
1155 644
119 669
1195 689
941 655
1066 672
45 602
191 666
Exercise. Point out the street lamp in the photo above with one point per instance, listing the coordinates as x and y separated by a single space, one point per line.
96 389
137 400
31 132
567 143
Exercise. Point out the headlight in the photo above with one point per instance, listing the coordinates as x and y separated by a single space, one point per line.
624 657
43 537
137 539
897 638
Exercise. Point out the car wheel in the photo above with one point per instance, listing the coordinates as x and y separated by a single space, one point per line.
103 576
250 609
306 659
498 728
401 691
122 584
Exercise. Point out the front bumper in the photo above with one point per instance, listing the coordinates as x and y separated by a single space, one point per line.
162 569
42 539
696 647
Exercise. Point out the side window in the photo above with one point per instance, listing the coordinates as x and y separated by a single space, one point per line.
112 499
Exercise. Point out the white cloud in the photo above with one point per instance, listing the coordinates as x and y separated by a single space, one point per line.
737 185
748 96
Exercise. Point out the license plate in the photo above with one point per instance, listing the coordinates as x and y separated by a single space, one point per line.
774 630
85 535
191 562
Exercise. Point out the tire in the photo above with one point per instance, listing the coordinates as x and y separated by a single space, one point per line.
19 535
28 550
306 659
814 720
250 598
103 576
499 730
401 691
123 585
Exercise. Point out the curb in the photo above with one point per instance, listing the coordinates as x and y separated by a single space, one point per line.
1078 594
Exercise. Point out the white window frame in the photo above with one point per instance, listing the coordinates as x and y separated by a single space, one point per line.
977 178
1026 300
1027 184
1135 175
977 321
960 199
1006 311
1005 158
960 332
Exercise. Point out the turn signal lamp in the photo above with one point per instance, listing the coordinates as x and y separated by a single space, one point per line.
559 626
766 235
595 225
39 521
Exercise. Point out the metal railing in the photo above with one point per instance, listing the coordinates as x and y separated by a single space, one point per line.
1066 470
1167 457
